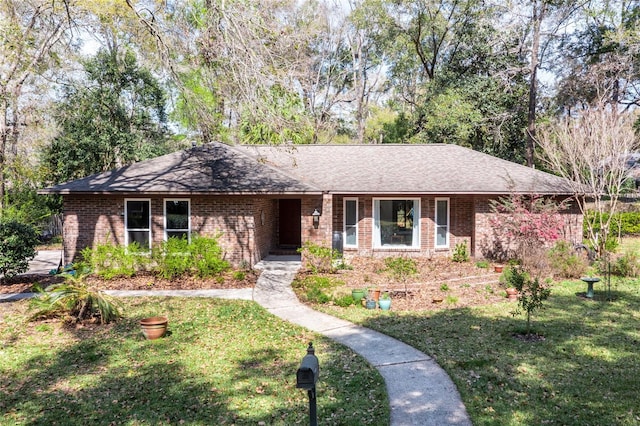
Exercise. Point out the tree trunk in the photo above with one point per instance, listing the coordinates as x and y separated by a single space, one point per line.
538 12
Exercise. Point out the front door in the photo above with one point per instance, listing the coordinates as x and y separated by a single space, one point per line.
289 223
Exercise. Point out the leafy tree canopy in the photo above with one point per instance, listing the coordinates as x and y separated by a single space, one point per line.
116 117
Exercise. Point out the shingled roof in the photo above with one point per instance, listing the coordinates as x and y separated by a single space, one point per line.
363 169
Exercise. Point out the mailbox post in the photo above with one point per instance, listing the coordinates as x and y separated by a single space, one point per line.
306 378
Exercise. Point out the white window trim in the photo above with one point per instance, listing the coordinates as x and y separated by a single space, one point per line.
376 236
436 226
126 224
164 208
344 222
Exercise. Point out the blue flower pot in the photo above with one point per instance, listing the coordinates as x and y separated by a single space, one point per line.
385 304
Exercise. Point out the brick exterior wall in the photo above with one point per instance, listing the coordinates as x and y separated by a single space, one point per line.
247 227
236 221
485 240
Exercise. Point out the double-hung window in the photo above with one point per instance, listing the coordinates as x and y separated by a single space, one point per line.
177 223
396 223
137 214
351 222
442 223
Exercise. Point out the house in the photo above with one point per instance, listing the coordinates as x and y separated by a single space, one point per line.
374 200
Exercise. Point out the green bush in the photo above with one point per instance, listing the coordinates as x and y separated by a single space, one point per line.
208 256
401 268
315 288
344 301
110 260
172 258
76 300
627 265
17 247
565 262
461 253
484 264
319 259
202 257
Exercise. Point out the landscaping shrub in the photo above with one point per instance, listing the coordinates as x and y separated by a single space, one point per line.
627 265
484 264
565 261
317 258
623 223
208 256
17 247
461 253
344 301
202 257
172 258
75 300
316 289
109 261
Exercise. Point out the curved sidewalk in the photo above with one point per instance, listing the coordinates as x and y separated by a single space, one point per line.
420 392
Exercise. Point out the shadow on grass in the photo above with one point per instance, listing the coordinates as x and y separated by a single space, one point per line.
111 375
584 371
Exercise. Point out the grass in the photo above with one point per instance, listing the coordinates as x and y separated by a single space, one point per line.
584 372
224 362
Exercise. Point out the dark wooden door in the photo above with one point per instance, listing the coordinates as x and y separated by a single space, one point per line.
289 223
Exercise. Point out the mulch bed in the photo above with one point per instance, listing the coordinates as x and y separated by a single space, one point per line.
142 281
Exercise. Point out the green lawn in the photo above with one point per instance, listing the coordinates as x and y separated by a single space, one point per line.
224 362
585 372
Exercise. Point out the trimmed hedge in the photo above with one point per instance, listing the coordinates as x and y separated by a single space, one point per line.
629 222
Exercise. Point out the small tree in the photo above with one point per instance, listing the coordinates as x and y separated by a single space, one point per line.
591 150
17 248
531 293
401 268
526 225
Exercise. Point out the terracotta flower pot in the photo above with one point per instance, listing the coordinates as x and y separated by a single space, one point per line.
498 268
154 327
374 294
512 293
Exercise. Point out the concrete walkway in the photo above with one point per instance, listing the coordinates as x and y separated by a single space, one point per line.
420 392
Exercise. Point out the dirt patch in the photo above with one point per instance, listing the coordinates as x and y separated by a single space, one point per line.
439 284
144 281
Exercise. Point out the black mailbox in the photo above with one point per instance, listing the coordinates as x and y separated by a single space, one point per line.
309 370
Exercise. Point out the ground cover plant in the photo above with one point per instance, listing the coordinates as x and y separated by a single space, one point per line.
584 371
223 362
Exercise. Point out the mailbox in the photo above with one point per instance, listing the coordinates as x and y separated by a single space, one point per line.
309 370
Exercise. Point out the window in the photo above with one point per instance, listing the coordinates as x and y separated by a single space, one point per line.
442 222
177 219
396 223
137 225
351 222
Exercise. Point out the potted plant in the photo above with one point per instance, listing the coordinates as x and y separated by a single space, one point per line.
370 304
357 294
385 302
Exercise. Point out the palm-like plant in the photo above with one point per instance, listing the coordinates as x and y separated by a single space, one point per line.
76 299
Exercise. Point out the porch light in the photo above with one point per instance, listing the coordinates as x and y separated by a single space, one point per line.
316 218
